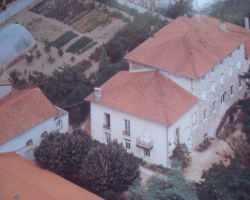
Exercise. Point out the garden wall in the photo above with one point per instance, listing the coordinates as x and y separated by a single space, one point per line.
15 8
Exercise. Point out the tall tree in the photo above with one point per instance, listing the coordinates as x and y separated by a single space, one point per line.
110 167
104 60
171 186
63 153
222 182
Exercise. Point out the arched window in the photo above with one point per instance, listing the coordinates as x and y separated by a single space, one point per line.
29 143
43 134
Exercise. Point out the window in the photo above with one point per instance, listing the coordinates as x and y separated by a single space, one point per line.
202 79
29 143
194 119
146 153
204 93
221 63
231 90
230 56
238 48
176 135
239 84
213 87
127 145
221 79
214 106
211 71
59 124
107 121
127 127
107 137
43 134
222 98
204 114
239 64
230 71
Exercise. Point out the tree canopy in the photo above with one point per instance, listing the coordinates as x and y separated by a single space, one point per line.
62 153
110 167
104 60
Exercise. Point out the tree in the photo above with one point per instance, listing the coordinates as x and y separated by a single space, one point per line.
14 76
104 60
29 58
182 154
38 53
62 153
51 59
60 52
171 186
222 182
110 167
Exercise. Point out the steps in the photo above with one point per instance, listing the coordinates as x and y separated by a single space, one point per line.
212 132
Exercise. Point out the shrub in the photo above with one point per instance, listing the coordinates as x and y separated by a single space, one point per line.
60 52
96 54
29 58
51 59
14 76
182 154
38 53
72 58
204 145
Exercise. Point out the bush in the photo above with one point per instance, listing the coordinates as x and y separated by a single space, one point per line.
96 54
109 195
29 58
182 154
204 145
38 53
14 76
51 59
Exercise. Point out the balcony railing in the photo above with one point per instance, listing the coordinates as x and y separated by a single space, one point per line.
106 126
144 145
126 133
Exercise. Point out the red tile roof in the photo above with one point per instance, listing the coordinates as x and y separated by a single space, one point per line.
150 95
23 110
28 181
177 47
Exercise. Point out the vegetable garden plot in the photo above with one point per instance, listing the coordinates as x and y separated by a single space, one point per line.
83 65
87 47
63 39
79 44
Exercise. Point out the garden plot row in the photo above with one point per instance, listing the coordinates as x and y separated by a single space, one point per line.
63 39
79 44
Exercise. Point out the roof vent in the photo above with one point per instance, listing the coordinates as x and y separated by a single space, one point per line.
223 26
198 18
247 24
152 32
98 93
16 197
202 40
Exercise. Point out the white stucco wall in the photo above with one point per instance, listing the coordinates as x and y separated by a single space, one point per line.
18 143
158 132
4 90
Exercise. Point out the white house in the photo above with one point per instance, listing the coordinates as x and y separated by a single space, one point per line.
179 84
25 117
5 88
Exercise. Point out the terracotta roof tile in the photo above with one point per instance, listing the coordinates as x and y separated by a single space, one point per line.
25 179
23 110
150 95
178 48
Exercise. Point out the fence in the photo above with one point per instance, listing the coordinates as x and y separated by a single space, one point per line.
15 8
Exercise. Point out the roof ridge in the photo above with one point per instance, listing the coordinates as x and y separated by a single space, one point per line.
26 182
186 48
144 76
164 109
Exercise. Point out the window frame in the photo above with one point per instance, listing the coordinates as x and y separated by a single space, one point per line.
107 121
147 153
126 127
239 83
59 124
43 134
205 115
213 107
107 137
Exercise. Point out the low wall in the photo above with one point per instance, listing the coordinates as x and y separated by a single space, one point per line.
15 8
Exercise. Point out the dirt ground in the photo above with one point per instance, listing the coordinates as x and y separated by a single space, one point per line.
47 28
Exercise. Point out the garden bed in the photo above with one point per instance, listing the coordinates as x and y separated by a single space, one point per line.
79 44
63 39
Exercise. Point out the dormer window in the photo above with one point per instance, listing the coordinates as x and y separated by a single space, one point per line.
211 71
238 48
220 64
230 56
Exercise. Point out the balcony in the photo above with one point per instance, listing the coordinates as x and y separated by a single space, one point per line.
144 145
126 133
106 126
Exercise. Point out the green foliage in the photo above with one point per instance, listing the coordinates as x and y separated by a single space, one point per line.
109 195
204 145
96 54
225 182
233 11
47 46
87 47
51 59
62 153
182 154
110 167
63 39
29 58
171 185
79 44
72 58
60 52
104 60
38 53
14 76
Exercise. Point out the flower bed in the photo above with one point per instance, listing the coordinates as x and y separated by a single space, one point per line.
63 39
79 44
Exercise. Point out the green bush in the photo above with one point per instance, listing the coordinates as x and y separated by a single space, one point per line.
96 54
204 145
182 154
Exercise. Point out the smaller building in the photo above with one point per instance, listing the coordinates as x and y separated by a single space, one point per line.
22 179
5 88
26 116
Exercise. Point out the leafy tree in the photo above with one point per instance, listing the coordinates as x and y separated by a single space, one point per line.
222 182
182 154
171 186
62 153
110 167
104 60
38 53
60 52
14 76
48 45
51 59
72 58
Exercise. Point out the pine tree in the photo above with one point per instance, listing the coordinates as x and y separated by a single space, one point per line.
104 60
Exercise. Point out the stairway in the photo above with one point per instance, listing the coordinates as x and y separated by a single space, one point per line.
212 132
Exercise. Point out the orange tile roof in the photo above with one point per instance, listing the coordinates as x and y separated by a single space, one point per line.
25 179
23 110
150 95
177 47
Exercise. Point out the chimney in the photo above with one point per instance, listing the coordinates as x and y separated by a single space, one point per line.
223 26
247 24
198 19
98 93
152 32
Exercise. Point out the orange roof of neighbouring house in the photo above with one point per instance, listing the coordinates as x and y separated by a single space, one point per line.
25 179
23 110
150 95
177 47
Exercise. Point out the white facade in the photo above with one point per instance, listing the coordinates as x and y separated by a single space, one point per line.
19 143
4 90
162 137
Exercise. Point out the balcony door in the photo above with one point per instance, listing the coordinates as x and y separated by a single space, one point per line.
146 136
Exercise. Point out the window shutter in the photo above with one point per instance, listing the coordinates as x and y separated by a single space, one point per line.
142 152
151 155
